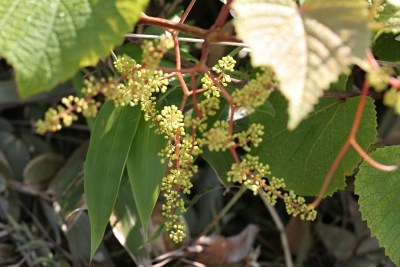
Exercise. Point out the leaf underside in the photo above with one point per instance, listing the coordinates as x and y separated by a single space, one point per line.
380 200
307 48
48 41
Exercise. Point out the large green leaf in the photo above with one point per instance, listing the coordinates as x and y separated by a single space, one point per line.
145 169
380 200
109 146
304 156
48 41
307 48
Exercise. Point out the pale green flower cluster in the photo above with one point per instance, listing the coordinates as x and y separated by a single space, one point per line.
140 87
218 138
208 107
253 135
226 64
170 121
67 113
253 174
379 78
391 99
153 51
296 205
250 172
256 91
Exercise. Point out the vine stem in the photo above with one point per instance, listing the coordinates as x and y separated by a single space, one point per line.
345 147
351 140
195 31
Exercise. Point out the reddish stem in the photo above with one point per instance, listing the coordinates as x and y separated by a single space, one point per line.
187 11
345 147
222 16
169 24
371 161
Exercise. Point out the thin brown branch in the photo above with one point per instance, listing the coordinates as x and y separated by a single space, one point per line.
171 25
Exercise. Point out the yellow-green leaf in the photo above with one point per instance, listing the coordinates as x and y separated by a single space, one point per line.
307 48
48 41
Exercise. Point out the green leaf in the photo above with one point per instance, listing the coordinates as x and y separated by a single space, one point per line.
303 156
16 152
307 48
221 162
48 41
109 146
386 47
41 169
126 224
380 200
145 170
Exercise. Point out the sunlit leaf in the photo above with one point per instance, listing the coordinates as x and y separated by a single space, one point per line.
109 146
145 169
307 48
379 200
48 41
394 2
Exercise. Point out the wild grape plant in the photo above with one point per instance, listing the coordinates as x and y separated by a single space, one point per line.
198 121
187 133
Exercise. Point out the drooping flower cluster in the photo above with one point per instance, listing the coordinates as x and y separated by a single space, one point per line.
252 173
67 113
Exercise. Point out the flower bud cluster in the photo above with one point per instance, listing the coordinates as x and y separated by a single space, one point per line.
218 138
140 87
208 107
153 51
177 181
252 173
173 206
379 78
66 114
256 91
252 135
391 99
170 121
296 205
226 64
